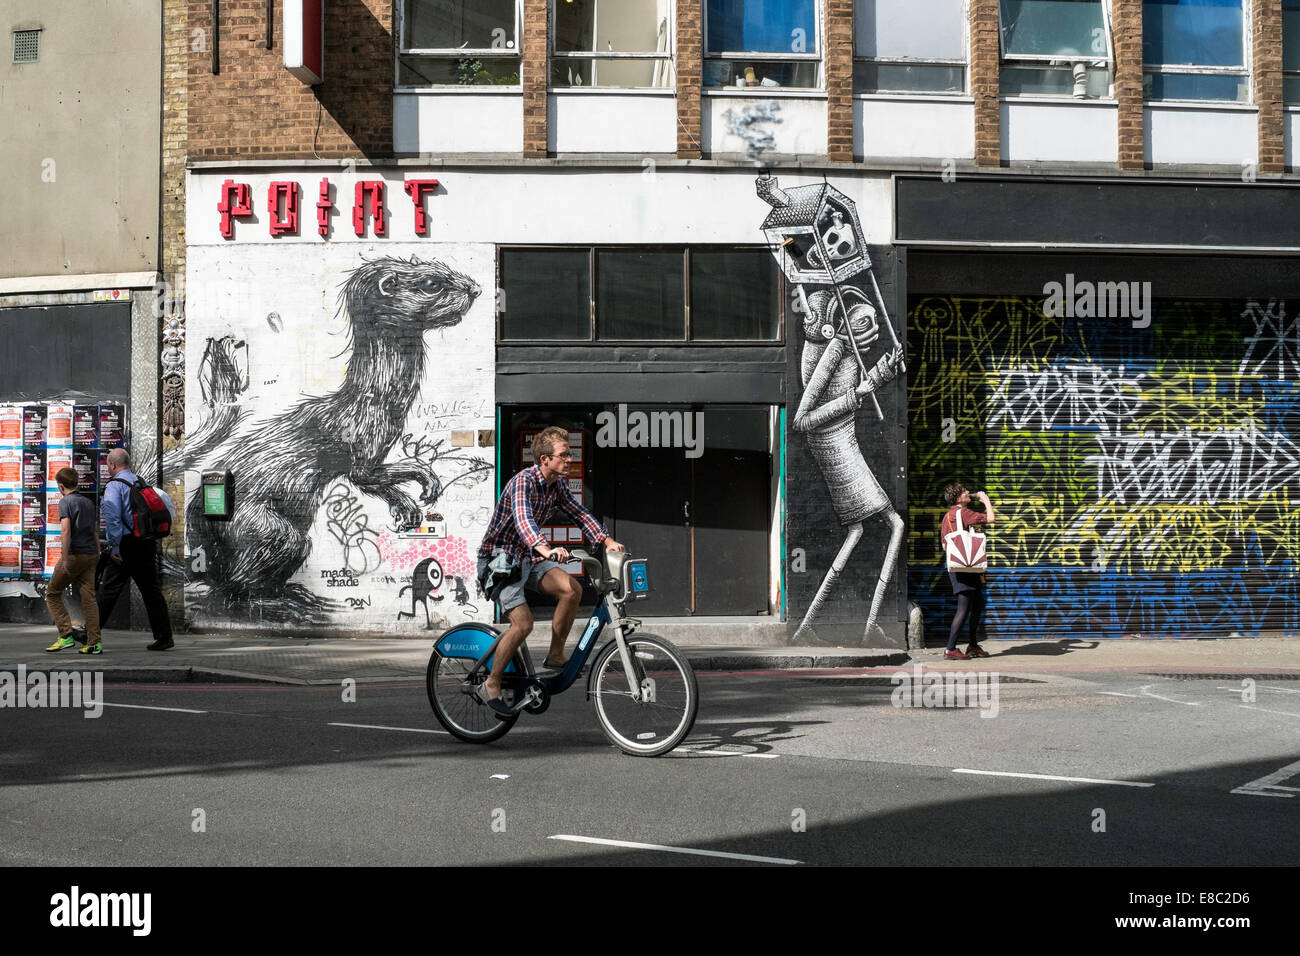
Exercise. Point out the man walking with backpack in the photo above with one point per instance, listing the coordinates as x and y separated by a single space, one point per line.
133 547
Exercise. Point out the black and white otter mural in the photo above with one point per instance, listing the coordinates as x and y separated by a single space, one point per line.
348 392
845 417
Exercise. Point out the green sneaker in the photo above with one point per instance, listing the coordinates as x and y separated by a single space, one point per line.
96 648
61 643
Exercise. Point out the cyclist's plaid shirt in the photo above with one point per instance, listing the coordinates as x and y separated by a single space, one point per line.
527 498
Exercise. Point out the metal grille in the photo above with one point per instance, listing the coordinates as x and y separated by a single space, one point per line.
27 46
1258 678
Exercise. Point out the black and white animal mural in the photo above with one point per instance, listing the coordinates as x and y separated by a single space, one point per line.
848 351
330 488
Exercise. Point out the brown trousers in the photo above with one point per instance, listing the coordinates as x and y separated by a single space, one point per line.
78 569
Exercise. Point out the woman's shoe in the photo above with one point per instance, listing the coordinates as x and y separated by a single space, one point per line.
976 651
955 656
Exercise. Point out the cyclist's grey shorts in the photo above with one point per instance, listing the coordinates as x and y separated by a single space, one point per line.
512 595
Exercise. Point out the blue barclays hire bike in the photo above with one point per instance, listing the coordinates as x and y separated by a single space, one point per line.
643 687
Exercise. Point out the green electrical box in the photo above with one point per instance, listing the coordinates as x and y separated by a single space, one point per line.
218 495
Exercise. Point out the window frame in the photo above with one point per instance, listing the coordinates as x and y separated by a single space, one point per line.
688 327
1291 74
1245 71
1048 61
669 56
919 61
458 53
818 57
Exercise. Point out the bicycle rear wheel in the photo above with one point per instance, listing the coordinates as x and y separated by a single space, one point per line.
662 719
459 706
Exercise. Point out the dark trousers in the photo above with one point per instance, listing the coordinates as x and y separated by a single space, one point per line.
139 564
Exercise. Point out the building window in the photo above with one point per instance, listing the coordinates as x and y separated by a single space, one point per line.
762 43
909 46
621 43
621 294
27 46
459 43
1055 48
1194 50
1291 51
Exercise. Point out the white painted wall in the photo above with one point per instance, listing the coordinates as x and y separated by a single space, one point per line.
454 122
893 128
1220 136
283 302
611 123
800 132
632 204
1054 131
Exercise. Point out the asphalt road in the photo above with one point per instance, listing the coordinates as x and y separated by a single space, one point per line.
792 768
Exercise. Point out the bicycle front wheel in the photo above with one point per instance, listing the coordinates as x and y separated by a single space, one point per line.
669 697
457 704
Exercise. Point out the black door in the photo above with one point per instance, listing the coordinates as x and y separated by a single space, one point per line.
731 512
651 505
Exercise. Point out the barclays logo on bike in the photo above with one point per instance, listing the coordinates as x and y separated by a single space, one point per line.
651 430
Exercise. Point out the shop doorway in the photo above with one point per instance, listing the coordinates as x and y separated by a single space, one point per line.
702 515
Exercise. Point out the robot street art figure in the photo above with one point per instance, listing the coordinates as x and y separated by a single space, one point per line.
850 350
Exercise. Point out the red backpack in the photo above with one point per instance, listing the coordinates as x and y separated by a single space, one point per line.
150 518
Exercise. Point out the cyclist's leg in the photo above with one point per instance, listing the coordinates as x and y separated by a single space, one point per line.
567 592
521 625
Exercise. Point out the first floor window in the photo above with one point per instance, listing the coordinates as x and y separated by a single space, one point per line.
1291 51
762 43
909 46
1055 48
625 43
1194 50
459 43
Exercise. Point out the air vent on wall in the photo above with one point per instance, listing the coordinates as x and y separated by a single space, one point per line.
27 46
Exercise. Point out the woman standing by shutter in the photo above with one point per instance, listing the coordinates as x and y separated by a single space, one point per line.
969 588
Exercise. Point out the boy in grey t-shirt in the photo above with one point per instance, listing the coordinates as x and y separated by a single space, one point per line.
80 540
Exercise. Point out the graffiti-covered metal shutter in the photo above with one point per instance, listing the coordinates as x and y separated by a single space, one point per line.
1144 475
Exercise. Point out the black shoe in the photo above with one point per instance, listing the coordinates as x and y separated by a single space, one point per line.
160 646
79 635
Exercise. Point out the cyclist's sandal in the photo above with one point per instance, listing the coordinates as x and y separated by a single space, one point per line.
552 664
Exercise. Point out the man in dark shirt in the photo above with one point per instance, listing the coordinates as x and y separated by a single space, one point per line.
76 565
132 559
529 497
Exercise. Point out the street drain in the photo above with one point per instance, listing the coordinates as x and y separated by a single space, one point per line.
1198 676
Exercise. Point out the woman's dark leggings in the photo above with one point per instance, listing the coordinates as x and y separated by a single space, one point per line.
969 604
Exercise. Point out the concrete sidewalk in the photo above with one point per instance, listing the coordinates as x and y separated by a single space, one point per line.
275 659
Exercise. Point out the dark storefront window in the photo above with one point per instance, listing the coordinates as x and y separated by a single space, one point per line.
641 295
657 294
546 294
734 295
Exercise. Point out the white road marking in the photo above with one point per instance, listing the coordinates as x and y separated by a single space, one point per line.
699 752
1265 710
174 710
1267 786
409 730
1280 690
1145 691
1048 776
627 844
501 776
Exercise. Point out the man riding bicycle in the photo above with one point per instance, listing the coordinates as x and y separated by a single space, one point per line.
513 538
